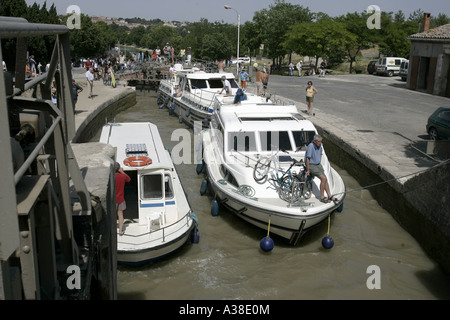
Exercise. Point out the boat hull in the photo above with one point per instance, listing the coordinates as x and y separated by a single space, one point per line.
185 111
161 248
284 223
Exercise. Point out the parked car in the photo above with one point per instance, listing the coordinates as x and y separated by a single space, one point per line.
372 67
438 125
389 66
403 73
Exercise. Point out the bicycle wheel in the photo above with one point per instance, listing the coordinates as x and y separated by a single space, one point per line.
307 188
290 189
261 169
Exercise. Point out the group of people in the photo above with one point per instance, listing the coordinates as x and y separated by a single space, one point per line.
168 54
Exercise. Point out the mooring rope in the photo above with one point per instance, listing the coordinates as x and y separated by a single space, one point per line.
393 179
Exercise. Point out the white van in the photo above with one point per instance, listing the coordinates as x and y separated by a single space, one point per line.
404 70
389 66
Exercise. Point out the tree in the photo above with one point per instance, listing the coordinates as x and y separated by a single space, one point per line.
324 38
273 23
216 47
362 37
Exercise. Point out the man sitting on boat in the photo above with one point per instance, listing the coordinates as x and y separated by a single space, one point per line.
226 85
313 157
240 96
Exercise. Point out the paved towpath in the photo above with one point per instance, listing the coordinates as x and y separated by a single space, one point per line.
102 96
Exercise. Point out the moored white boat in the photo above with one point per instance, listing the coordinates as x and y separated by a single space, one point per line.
189 93
239 136
158 218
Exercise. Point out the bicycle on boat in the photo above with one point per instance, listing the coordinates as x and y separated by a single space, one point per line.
292 185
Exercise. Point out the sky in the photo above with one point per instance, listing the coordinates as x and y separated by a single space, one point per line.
213 10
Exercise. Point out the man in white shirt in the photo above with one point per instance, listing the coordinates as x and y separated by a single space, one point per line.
226 86
299 68
90 80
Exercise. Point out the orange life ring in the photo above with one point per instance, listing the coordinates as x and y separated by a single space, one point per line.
137 161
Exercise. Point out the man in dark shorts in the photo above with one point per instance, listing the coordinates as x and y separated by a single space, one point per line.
313 157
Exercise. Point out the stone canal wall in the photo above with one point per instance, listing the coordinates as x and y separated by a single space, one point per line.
101 109
420 204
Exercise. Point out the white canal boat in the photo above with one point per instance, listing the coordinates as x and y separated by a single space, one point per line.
189 94
158 218
249 152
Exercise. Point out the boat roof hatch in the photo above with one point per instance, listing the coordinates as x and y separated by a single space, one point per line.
149 143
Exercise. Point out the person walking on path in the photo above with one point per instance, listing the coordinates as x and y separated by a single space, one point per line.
121 179
90 80
265 81
244 76
311 91
299 68
322 69
313 156
76 89
220 66
291 68
259 82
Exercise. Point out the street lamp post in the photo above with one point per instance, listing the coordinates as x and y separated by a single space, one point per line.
239 24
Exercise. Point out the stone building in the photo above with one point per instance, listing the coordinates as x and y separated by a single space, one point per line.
429 60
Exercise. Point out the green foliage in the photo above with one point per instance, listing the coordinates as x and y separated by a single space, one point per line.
271 25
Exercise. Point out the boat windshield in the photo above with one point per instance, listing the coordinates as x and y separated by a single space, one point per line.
199 84
303 138
217 83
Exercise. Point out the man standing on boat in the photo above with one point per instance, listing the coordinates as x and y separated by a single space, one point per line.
121 179
313 157
226 86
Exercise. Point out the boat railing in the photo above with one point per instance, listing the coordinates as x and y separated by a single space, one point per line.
204 100
164 232
249 161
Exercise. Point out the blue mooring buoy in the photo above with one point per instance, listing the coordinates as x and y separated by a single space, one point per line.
327 242
266 244
214 208
204 186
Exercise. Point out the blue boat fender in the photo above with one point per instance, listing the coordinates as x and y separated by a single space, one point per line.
341 207
214 208
204 186
199 168
195 236
188 112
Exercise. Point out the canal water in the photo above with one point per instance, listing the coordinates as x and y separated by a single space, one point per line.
372 258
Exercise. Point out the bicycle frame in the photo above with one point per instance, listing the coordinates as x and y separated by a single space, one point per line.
291 185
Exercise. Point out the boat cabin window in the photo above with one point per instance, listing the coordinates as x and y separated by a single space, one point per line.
217 83
152 186
275 140
303 138
168 190
241 141
198 84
